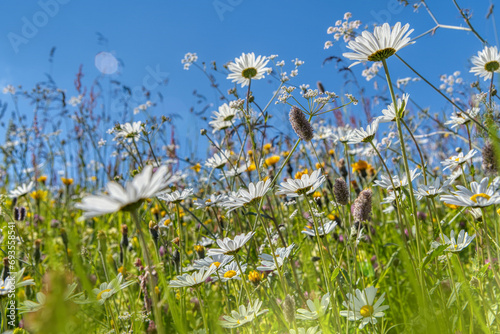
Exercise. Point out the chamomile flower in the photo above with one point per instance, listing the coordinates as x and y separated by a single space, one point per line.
128 131
390 113
431 190
219 125
462 117
310 330
219 160
246 68
480 195
22 190
307 184
231 271
225 113
213 200
194 279
245 197
385 181
364 136
267 262
176 196
457 160
7 285
462 241
362 307
316 310
144 185
243 316
107 290
220 261
230 246
328 228
486 62
380 45
343 134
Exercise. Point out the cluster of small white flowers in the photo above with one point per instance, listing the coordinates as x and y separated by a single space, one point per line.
481 97
9 89
144 317
272 57
352 98
142 107
189 59
404 81
237 104
370 72
285 94
448 81
125 316
280 63
310 93
75 100
343 29
101 142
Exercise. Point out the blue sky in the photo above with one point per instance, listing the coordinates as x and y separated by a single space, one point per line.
155 35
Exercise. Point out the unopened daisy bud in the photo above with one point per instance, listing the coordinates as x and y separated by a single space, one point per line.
124 242
300 124
200 251
101 244
289 309
489 159
37 254
321 88
203 132
341 191
363 206
342 168
5 270
255 277
19 213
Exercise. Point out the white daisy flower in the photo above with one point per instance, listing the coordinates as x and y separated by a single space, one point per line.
361 307
267 261
231 271
462 241
486 62
194 279
7 285
316 309
219 160
385 181
176 196
328 228
229 246
219 125
480 195
144 185
457 160
343 134
225 113
462 118
380 45
235 171
213 200
390 113
243 316
364 136
22 190
431 190
219 261
165 222
246 68
107 290
310 330
245 197
305 185
130 132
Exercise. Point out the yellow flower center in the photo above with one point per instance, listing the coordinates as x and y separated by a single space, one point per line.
249 73
229 274
100 293
166 222
366 311
381 54
217 264
473 198
492 66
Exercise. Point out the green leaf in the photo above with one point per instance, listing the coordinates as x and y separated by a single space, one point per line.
434 253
